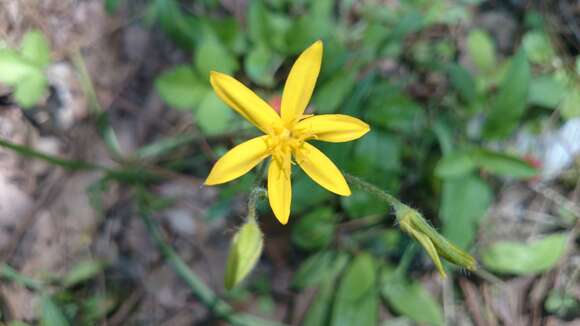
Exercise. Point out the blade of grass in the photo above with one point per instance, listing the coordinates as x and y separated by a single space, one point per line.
71 165
163 146
13 275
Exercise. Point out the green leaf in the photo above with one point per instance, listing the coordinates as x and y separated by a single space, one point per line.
359 279
83 271
510 103
464 202
314 230
258 30
332 93
181 28
111 6
538 47
213 116
455 164
503 164
319 310
163 146
261 64
229 31
319 267
525 258
481 50
51 314
397 112
546 91
361 204
13 68
211 55
30 90
562 304
376 151
181 88
304 31
244 252
356 299
35 48
307 193
463 82
569 107
409 298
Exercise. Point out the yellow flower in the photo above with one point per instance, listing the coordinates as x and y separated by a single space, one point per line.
285 134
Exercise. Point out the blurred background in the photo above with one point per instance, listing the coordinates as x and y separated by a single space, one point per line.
108 127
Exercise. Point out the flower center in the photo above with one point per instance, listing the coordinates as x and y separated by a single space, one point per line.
282 143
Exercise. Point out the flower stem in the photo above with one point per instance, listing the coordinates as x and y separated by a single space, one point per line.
374 190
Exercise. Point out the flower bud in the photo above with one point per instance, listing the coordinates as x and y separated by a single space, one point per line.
245 250
434 243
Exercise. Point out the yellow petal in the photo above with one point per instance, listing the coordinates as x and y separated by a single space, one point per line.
334 128
300 83
244 101
238 161
280 188
321 169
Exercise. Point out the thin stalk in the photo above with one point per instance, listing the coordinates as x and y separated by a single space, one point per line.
374 190
71 165
201 291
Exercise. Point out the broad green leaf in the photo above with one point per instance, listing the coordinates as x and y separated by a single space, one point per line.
258 29
181 28
83 271
51 314
546 91
30 90
211 55
538 47
503 164
409 298
570 107
304 31
520 258
181 88
35 48
319 267
244 253
13 68
229 32
463 82
455 164
481 50
213 116
331 94
464 202
376 151
319 310
356 299
361 204
359 278
397 112
261 64
510 103
314 230
266 27
562 303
